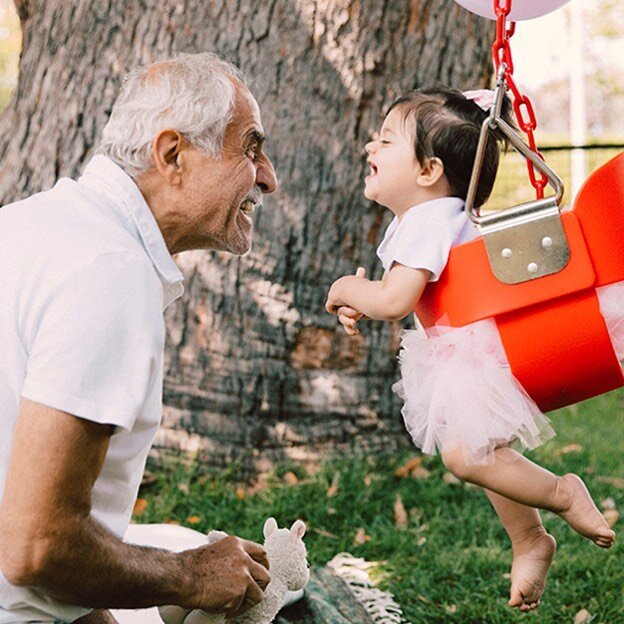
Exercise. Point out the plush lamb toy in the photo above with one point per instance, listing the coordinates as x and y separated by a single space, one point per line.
288 568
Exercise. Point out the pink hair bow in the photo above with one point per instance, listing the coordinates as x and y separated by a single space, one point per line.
483 97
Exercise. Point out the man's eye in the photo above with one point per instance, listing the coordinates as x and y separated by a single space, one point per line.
251 153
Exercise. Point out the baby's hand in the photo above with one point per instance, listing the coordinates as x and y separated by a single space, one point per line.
334 299
349 317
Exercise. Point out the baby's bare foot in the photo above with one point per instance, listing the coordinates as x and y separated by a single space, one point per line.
580 512
531 562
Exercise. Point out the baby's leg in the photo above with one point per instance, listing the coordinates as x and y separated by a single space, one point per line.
513 476
533 550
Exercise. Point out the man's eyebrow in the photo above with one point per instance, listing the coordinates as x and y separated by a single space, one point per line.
255 136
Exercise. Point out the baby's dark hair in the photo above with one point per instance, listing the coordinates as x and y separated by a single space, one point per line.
446 125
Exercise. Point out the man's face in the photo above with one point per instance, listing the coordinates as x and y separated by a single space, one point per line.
222 194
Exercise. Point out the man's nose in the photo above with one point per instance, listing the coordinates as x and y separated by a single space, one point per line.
265 176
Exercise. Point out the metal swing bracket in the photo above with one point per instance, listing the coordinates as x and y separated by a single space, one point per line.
526 241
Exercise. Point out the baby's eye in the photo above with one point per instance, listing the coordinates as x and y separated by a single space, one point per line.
385 142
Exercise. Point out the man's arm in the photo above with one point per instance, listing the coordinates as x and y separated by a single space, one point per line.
49 540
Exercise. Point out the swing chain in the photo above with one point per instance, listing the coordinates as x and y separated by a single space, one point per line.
501 53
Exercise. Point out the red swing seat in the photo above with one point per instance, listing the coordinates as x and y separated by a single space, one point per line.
551 328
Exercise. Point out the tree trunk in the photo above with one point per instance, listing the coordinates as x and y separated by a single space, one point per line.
255 368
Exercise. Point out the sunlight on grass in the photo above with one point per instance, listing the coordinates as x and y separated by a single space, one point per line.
451 564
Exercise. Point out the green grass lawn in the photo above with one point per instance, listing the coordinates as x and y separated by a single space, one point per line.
449 565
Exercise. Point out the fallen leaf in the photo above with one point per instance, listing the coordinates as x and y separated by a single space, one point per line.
193 519
240 493
185 488
400 515
415 514
450 478
290 478
568 448
333 488
617 482
423 599
611 516
607 503
361 537
325 533
420 472
451 608
148 478
140 505
403 471
583 617
421 541
368 479
331 511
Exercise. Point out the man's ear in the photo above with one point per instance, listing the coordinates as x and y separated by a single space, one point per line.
431 172
166 151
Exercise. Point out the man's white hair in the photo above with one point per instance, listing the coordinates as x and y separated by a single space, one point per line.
190 93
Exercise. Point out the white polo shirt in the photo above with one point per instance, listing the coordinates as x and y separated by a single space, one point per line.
84 277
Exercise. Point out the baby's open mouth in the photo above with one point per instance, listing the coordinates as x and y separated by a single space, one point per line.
373 168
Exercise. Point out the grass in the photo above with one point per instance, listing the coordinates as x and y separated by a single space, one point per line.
449 566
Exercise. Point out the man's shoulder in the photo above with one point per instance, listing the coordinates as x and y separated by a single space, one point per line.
67 227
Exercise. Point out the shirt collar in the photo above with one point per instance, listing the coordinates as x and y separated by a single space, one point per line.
102 175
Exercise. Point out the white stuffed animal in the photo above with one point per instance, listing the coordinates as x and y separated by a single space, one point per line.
289 572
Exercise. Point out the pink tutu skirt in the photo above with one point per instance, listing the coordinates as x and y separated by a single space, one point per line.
458 389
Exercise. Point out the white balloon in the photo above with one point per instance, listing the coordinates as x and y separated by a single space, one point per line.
520 9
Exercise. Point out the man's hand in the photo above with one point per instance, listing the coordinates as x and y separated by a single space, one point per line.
231 576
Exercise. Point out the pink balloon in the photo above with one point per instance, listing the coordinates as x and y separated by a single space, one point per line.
520 9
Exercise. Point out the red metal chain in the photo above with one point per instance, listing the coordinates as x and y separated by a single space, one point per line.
501 53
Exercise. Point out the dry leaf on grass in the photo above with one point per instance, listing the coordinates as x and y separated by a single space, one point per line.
450 478
617 482
185 488
568 448
400 515
148 478
607 503
290 478
583 617
333 488
240 493
421 541
404 471
361 537
325 533
420 472
611 516
193 519
368 479
140 505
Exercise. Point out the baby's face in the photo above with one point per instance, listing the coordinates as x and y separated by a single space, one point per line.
392 181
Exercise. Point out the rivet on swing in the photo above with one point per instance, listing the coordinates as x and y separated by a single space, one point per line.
547 242
532 268
506 253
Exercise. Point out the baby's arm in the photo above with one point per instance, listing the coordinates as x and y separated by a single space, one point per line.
389 299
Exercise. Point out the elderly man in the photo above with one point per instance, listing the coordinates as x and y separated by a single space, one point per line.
86 271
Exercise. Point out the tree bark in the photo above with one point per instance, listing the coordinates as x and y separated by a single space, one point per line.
255 368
